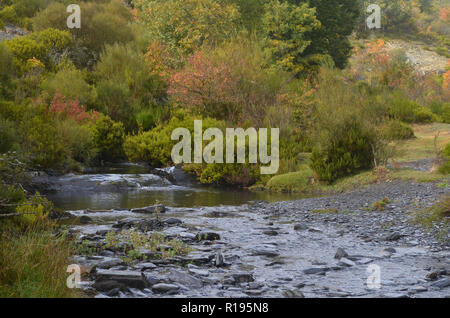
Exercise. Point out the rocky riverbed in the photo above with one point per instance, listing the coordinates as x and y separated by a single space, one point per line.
315 247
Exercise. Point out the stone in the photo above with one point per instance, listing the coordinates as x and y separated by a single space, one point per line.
173 221
84 219
340 253
184 279
418 289
152 279
390 250
159 208
146 266
110 263
365 261
289 293
270 232
443 283
109 285
132 279
207 236
346 262
165 288
393 237
300 227
316 270
192 269
240 278
219 260
265 252
187 235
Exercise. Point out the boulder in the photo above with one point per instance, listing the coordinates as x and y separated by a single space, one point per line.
158 208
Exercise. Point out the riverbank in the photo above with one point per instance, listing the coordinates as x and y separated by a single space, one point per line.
316 247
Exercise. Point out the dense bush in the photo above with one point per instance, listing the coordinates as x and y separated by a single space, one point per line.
445 168
104 22
155 146
108 137
286 27
396 130
347 150
197 22
71 83
7 72
39 46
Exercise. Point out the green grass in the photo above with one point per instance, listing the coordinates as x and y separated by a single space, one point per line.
423 146
440 212
33 263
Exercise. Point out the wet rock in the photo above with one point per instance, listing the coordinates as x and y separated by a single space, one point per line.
187 236
418 289
107 264
195 270
340 253
393 237
243 278
390 250
220 214
109 285
159 208
270 232
316 271
146 266
173 221
365 261
113 292
443 283
165 288
185 279
300 227
289 293
265 252
218 261
253 292
207 236
152 279
120 278
84 219
314 230
150 225
346 262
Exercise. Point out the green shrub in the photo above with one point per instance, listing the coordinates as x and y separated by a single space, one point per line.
402 108
2 25
442 110
7 71
424 115
155 146
347 151
43 143
445 168
102 23
108 138
113 99
396 130
39 46
69 82
9 138
78 140
8 14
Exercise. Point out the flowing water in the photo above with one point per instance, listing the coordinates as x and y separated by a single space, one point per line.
259 241
129 186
